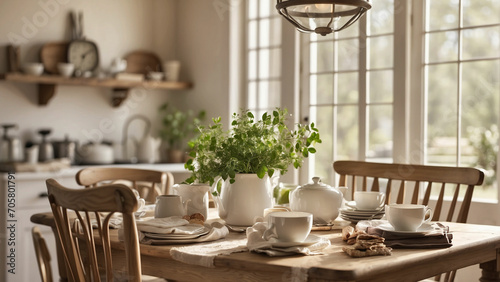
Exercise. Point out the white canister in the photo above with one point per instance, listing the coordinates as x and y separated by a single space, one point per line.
172 70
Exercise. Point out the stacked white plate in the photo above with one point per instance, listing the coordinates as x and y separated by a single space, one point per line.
354 215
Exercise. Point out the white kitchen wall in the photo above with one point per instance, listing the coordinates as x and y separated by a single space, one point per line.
118 27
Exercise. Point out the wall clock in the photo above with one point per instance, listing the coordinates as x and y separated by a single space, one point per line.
84 55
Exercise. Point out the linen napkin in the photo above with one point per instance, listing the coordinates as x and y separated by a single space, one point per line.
163 225
437 236
256 243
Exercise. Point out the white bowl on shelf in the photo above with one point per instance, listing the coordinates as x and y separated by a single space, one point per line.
156 75
33 68
66 69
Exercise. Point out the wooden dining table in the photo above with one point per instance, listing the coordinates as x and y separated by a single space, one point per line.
472 244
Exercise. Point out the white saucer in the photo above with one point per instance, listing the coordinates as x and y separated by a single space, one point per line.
310 240
424 228
352 204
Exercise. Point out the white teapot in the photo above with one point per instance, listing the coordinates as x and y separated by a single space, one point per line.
322 200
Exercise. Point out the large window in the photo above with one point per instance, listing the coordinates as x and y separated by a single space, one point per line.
411 81
461 85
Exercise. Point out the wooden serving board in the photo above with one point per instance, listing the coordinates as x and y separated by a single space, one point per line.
53 53
142 62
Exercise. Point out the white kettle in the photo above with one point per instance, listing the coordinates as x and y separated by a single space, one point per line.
147 148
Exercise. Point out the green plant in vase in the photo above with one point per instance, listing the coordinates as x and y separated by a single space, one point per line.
243 163
178 127
250 146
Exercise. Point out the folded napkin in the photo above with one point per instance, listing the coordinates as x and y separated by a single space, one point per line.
163 225
216 231
256 243
437 236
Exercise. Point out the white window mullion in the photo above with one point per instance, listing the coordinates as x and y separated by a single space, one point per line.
418 113
401 82
363 89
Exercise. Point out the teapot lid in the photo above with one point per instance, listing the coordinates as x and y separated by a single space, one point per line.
316 184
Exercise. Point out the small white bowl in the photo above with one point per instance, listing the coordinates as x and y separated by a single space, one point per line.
65 69
33 68
156 75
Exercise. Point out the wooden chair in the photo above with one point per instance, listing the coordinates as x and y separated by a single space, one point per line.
94 207
445 177
42 255
149 183
431 176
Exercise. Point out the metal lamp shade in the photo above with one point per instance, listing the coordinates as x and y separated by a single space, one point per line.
322 16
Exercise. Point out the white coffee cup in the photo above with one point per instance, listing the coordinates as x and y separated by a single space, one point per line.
369 200
170 205
407 217
288 226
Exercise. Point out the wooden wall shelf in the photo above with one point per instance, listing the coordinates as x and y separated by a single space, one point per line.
47 85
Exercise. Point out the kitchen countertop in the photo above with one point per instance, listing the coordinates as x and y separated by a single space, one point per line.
170 167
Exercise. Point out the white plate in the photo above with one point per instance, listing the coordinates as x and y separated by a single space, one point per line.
424 228
360 213
356 220
310 240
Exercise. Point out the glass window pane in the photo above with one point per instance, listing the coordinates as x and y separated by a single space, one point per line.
264 63
442 46
252 34
347 142
321 57
252 9
480 116
252 95
481 43
442 114
269 63
264 26
269 94
252 65
322 89
381 52
381 17
481 12
348 54
381 86
265 7
380 132
442 14
323 161
352 31
347 88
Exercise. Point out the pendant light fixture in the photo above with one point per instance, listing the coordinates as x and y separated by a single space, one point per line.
322 16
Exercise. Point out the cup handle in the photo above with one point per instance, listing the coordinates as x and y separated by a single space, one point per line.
428 215
269 233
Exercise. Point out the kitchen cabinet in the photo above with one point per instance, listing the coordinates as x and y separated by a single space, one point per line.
23 195
47 85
